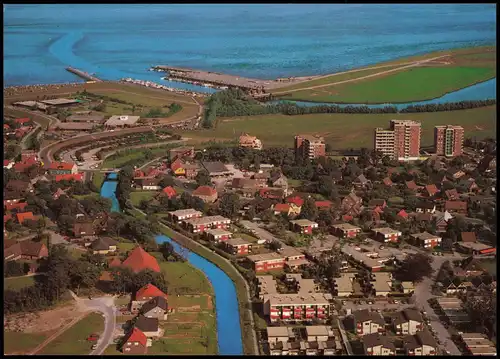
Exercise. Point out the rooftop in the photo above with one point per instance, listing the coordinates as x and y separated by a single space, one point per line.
215 167
206 220
386 231
122 120
265 257
304 222
298 299
60 101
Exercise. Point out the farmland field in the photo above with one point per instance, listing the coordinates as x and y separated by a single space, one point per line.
464 67
19 342
343 131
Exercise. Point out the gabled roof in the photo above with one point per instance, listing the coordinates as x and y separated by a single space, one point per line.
169 191
156 302
298 201
101 244
146 324
114 262
139 260
21 217
402 214
18 205
69 177
361 179
174 166
431 189
387 181
455 205
412 185
377 202
204 191
451 194
365 315
425 205
136 336
282 207
149 290
61 166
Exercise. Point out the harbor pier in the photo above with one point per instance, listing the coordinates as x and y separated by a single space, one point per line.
84 75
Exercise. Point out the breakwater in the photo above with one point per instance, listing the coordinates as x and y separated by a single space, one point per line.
84 75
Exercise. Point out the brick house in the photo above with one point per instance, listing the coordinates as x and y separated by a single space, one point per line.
218 235
77 177
206 194
201 224
345 230
459 207
266 262
145 294
103 246
183 214
169 192
303 226
367 322
25 216
426 240
376 344
149 326
238 246
452 194
18 206
408 321
351 205
272 193
139 260
148 183
62 168
430 190
423 343
83 229
25 250
156 308
386 234
135 342
296 307
425 207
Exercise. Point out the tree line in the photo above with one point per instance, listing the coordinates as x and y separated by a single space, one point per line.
234 102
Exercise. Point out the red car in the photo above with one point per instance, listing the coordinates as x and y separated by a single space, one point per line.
93 337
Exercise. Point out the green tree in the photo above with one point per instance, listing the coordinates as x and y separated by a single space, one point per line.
202 178
309 210
415 267
229 205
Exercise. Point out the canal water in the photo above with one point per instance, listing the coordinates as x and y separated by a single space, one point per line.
226 302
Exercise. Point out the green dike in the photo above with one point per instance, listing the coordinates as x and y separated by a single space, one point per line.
241 290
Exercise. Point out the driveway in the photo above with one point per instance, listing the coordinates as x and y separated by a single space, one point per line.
105 305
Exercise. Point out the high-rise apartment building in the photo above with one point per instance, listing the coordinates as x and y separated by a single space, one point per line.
448 140
307 146
401 141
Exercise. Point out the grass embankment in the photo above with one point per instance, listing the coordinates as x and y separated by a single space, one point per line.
243 299
73 341
19 342
347 131
463 68
17 283
138 196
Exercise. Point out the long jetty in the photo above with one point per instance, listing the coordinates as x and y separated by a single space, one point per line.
84 75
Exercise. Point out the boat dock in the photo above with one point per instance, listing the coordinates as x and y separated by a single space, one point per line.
255 87
84 75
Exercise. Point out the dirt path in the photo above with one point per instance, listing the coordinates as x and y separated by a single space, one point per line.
412 64
210 305
58 333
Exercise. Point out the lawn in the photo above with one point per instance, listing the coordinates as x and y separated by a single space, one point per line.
125 246
18 282
138 196
348 131
73 340
20 343
412 84
183 278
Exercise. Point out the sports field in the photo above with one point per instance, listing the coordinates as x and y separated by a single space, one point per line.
401 80
346 131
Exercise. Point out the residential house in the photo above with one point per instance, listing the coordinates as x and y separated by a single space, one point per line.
177 167
294 259
83 229
103 246
216 169
58 193
367 322
156 308
455 173
272 193
145 294
135 342
148 183
18 206
206 194
426 240
201 224
387 182
425 207
245 186
248 141
344 284
345 230
279 180
19 187
423 343
351 205
62 168
262 177
377 203
323 205
361 182
218 235
469 186
169 192
402 215
296 200
149 326
182 152
297 307
470 245
441 221
279 334
412 186
452 194
430 190
290 209
303 226
407 287
376 344
381 284
77 177
139 260
183 214
238 246
386 234
459 207
408 321
25 216
469 267
26 249
266 262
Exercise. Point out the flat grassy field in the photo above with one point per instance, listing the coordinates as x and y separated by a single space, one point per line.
73 341
417 83
18 282
20 343
346 131
464 67
138 196
183 278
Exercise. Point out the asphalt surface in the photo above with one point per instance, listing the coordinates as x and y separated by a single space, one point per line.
261 233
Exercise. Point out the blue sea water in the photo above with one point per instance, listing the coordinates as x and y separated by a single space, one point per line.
261 41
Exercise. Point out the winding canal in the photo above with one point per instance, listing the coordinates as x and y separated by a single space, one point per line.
226 302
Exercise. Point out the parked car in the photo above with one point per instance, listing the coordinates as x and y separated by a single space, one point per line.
94 347
93 338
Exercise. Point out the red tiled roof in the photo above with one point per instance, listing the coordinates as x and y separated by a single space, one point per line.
61 166
411 185
174 166
6 217
387 181
5 126
153 172
204 191
295 200
6 162
323 204
22 120
149 290
139 260
431 189
282 207
347 218
21 217
452 194
115 262
378 209
402 214
455 205
138 173
169 191
18 205
136 336
70 177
